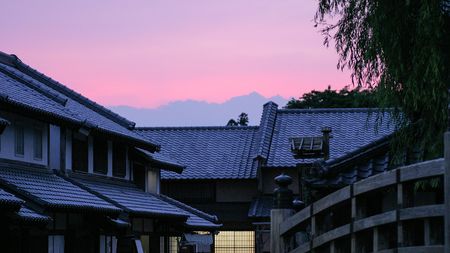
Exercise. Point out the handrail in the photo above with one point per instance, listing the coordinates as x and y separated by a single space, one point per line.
307 216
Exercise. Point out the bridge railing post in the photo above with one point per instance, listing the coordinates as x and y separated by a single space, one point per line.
447 190
282 209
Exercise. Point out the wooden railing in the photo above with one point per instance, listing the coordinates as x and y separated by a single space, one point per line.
383 213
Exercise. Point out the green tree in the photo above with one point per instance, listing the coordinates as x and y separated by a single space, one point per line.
242 120
344 98
402 48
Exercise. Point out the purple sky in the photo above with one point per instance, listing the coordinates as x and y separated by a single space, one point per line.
148 53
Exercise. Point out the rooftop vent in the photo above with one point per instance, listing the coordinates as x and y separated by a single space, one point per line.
312 147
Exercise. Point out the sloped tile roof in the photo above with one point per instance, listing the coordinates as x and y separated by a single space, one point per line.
128 197
3 122
351 129
207 152
265 130
197 218
260 207
163 162
28 215
23 86
51 191
9 200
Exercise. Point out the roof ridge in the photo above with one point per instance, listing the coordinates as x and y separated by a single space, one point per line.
196 128
329 110
33 85
14 61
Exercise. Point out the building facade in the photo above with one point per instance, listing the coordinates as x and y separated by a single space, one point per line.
230 170
75 177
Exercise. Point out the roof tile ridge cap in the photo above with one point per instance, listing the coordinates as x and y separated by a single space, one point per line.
34 85
267 122
77 96
331 110
209 217
168 128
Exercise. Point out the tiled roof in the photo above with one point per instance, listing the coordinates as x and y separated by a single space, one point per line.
28 215
265 130
260 207
9 200
351 129
3 122
51 191
25 87
197 218
161 161
127 196
207 152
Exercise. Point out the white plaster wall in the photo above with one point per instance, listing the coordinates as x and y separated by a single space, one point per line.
7 150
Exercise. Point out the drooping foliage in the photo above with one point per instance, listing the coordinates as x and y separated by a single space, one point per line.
344 98
402 48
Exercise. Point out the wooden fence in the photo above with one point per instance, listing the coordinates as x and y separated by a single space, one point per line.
383 213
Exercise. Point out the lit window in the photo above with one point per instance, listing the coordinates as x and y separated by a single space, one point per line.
37 144
19 140
235 241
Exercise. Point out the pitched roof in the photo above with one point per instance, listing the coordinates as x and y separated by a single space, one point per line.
8 200
260 207
50 191
3 122
351 129
161 161
28 215
127 196
207 152
22 86
197 219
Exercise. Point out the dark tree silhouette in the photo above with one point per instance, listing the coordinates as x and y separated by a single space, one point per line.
242 120
344 98
402 48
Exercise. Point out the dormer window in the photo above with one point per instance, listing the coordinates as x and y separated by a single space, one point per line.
37 143
119 159
79 153
100 155
19 140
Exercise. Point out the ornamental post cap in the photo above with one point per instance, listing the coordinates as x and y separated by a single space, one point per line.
283 180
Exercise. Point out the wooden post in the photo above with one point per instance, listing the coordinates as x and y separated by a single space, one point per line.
282 209
447 190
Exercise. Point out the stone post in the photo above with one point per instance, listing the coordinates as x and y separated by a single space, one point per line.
282 209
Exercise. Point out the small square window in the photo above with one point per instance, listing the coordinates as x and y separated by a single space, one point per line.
19 135
37 144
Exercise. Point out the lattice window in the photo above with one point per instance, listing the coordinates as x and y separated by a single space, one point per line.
235 242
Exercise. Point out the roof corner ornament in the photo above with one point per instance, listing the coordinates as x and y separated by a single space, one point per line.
282 198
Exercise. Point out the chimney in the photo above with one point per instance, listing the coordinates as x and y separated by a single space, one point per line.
326 142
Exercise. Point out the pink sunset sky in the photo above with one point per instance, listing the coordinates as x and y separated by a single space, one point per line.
149 53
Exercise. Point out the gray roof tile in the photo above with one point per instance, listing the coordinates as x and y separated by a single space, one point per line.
127 196
26 87
51 191
197 218
351 129
207 152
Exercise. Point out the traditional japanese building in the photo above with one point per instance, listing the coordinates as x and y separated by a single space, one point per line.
75 177
230 170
